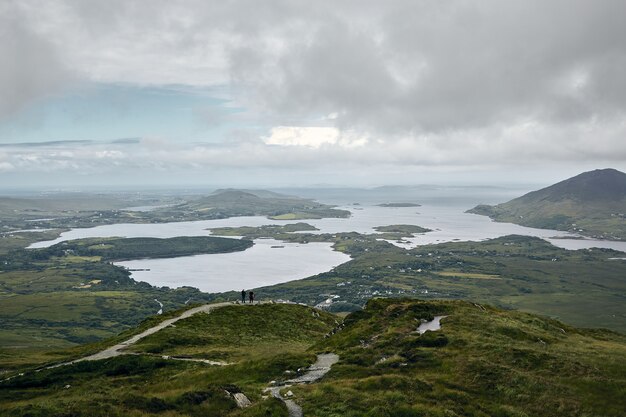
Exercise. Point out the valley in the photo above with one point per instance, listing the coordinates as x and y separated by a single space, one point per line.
64 295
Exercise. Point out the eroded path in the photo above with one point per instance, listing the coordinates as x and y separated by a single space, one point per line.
316 371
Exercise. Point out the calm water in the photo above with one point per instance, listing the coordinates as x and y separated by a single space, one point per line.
264 265
256 267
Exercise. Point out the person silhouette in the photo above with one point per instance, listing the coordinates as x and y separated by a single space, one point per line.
243 296
251 297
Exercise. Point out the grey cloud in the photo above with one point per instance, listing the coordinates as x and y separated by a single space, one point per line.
440 82
46 144
399 66
31 67
432 66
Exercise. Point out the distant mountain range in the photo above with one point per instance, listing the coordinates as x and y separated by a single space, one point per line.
592 204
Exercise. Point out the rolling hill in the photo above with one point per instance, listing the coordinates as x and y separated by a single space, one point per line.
483 361
592 204
232 203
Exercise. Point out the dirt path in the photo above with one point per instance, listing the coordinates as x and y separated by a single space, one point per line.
119 349
316 371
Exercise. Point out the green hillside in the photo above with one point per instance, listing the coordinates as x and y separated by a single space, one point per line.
71 294
592 204
118 249
232 203
482 362
260 343
61 211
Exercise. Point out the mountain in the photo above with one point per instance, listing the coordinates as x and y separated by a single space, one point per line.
232 202
592 204
482 361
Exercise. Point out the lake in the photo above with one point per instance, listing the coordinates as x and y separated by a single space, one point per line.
263 265
258 266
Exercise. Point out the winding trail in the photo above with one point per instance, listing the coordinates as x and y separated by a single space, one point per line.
119 349
314 372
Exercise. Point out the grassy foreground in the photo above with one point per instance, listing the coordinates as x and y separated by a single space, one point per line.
260 342
482 362
70 293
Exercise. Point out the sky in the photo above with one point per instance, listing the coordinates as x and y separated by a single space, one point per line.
306 93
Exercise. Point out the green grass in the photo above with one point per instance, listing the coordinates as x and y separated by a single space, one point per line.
294 216
117 249
261 342
484 361
11 241
262 231
44 307
581 287
481 363
237 332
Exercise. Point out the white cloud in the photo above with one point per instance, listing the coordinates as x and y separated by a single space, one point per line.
313 137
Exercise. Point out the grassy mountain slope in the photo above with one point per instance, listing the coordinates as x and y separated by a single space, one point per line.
70 294
261 342
592 203
483 362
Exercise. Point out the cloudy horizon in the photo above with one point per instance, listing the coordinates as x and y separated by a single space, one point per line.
286 93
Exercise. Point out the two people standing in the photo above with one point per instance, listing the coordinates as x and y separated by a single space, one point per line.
250 297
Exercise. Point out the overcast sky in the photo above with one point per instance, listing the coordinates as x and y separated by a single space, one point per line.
272 93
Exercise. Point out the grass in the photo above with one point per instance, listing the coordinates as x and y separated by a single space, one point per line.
473 275
272 230
237 332
579 287
408 229
117 249
69 294
483 362
294 216
52 303
262 342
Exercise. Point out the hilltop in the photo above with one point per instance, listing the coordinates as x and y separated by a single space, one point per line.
592 204
483 361
261 203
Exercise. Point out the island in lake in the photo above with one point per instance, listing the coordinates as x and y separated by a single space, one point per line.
399 205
